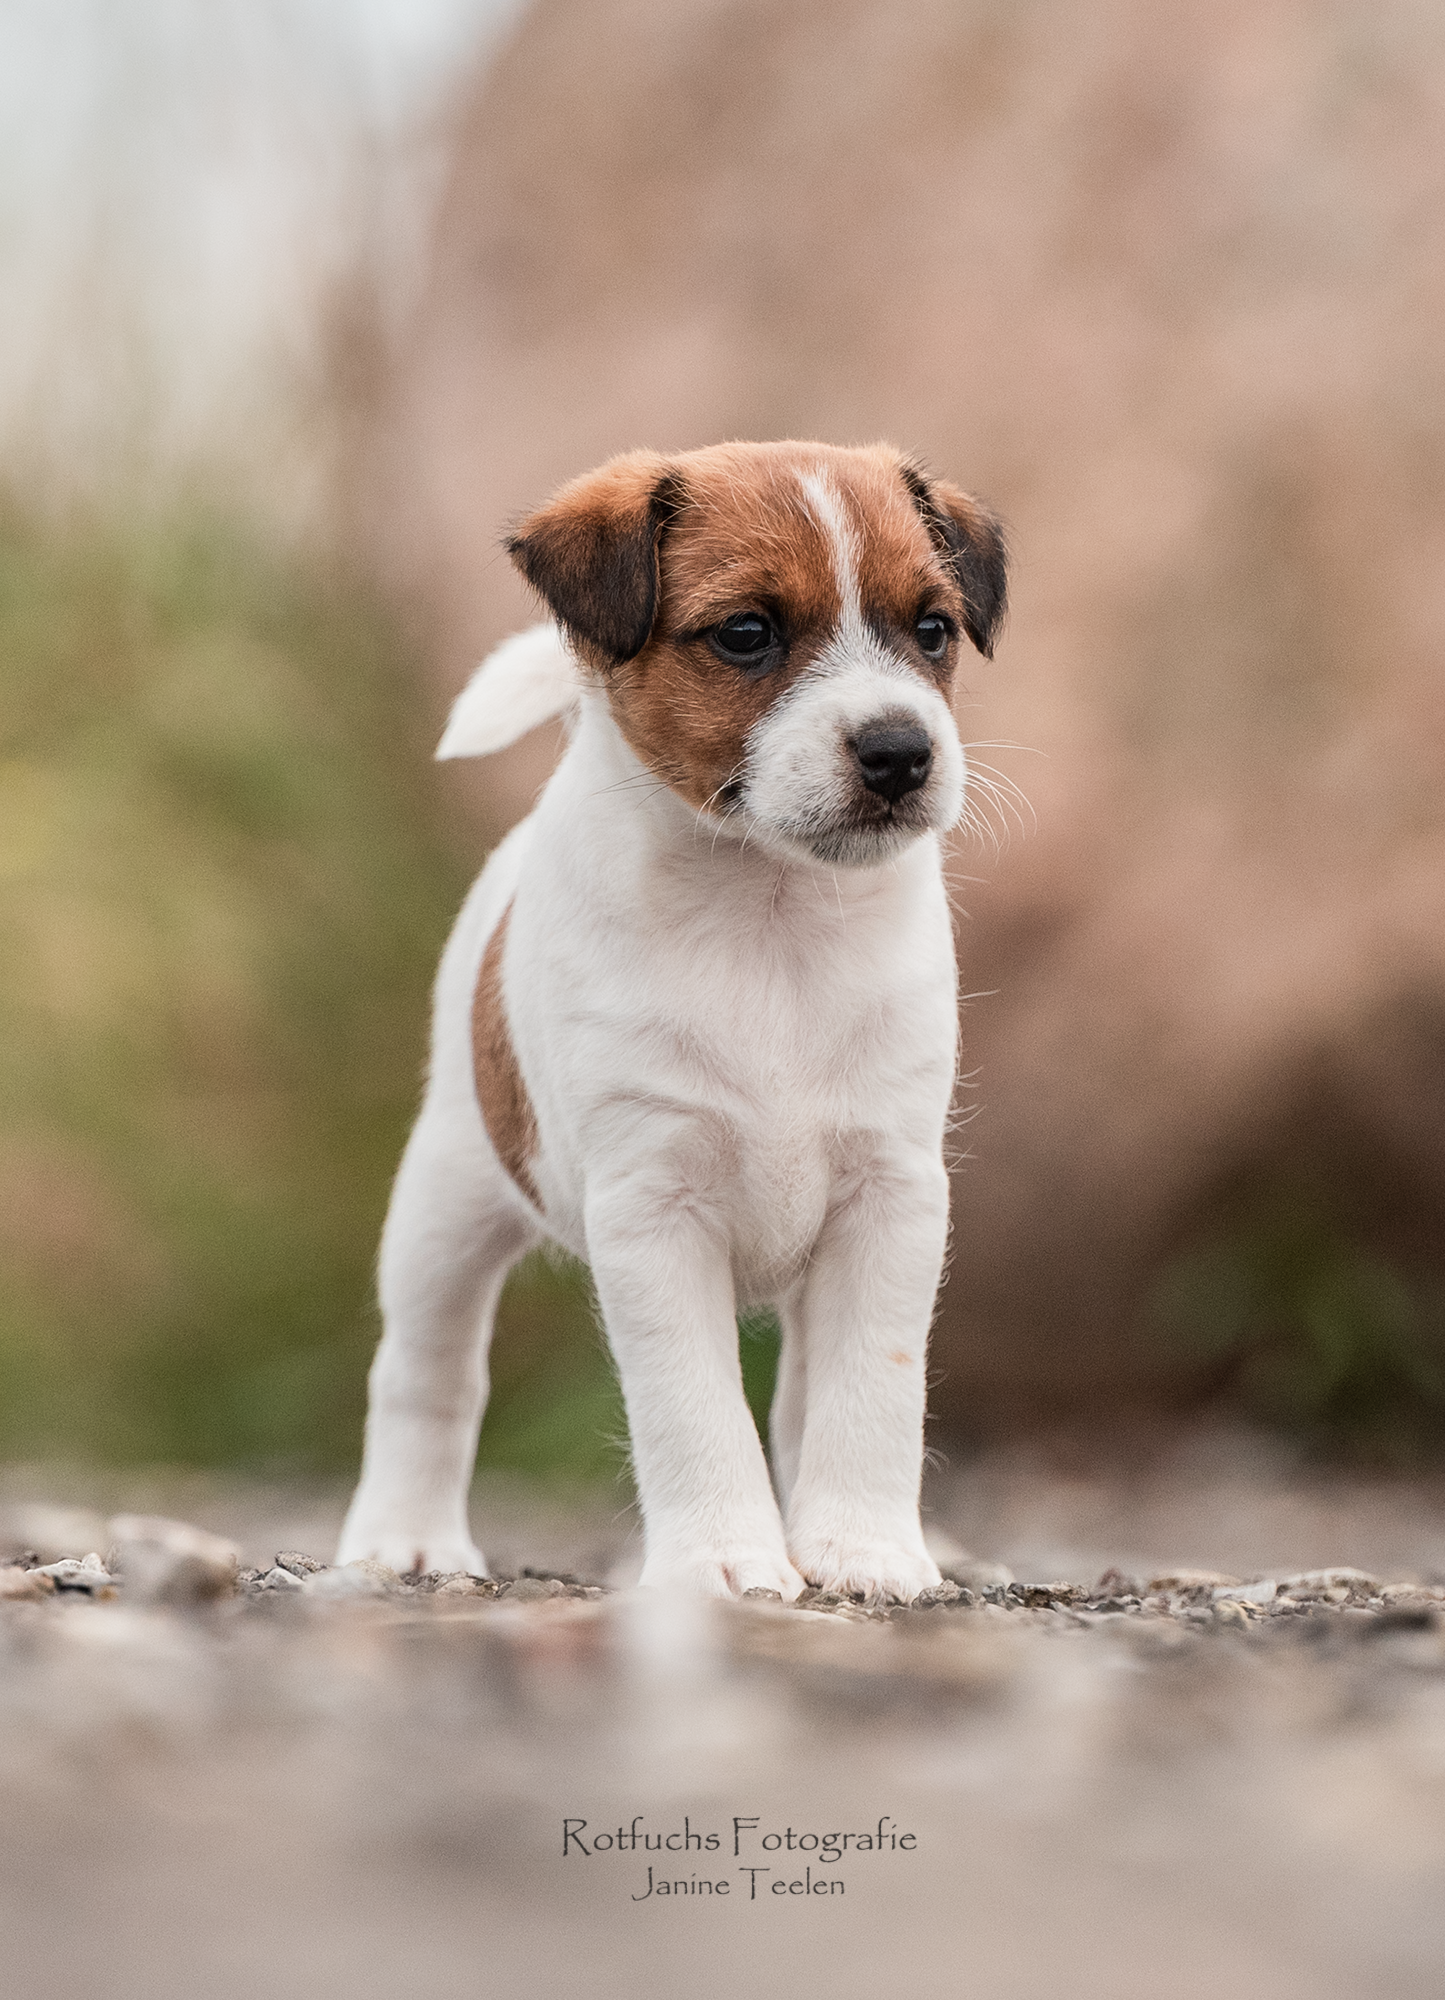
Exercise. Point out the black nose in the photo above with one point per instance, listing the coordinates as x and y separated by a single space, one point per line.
893 761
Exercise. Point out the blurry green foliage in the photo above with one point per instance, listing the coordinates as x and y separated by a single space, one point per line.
1309 1330
223 888
759 1338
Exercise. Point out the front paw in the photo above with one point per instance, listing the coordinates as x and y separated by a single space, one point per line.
411 1554
854 1567
725 1570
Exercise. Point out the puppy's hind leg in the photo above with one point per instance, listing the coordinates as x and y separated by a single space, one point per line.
454 1229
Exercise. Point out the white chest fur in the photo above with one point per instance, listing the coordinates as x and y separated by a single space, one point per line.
746 1033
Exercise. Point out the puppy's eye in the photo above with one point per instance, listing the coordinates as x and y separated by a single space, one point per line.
932 634
745 637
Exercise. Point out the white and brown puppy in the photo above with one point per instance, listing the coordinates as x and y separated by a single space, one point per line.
697 1021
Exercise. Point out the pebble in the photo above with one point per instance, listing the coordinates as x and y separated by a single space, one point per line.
298 1564
1325 1583
978 1576
89 1576
171 1562
1230 1611
350 1580
528 1589
947 1592
1192 1579
280 1579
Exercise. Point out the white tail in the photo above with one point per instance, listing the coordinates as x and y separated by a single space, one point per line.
528 679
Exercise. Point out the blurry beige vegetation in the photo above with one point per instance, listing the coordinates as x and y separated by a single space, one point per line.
1166 284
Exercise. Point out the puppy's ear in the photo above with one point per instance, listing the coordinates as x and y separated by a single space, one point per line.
592 552
971 541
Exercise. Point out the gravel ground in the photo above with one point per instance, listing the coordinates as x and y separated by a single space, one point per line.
1153 1775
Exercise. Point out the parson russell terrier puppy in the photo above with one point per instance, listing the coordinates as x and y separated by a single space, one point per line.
697 1021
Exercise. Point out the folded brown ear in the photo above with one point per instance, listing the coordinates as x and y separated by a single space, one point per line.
591 551
971 541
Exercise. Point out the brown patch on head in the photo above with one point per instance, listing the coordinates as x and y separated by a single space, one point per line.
592 553
647 557
971 542
506 1108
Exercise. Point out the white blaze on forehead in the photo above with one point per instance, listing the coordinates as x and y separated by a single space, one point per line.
826 507
800 776
854 644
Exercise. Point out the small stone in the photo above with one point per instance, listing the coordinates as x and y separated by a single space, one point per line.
281 1579
1229 1611
947 1592
171 1562
1263 1592
352 1580
978 1576
462 1585
1412 1593
530 1589
1323 1583
1184 1580
759 1591
1114 1583
89 1576
298 1564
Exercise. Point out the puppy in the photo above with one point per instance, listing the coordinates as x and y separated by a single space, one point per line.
697 1020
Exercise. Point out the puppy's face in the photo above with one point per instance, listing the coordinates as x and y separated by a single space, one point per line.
777 629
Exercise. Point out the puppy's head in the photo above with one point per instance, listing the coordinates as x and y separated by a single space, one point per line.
777 628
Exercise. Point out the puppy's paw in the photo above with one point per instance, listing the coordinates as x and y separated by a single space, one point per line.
412 1554
895 1570
729 1570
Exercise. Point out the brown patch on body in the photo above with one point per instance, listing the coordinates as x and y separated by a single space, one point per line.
903 1360
727 530
506 1108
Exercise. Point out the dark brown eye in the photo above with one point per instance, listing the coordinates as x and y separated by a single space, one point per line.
747 638
932 634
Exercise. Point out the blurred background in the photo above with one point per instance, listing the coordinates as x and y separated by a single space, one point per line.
304 298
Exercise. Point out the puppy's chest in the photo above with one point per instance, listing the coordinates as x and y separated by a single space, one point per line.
765 1104
765 1132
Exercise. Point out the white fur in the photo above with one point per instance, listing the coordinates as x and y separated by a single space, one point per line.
741 1062
527 680
797 778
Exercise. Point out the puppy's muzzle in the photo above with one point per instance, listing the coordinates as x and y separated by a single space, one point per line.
894 760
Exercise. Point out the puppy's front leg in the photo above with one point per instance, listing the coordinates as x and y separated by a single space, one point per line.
864 1316
665 1285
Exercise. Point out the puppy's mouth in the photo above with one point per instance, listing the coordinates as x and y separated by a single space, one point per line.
883 785
869 829
860 833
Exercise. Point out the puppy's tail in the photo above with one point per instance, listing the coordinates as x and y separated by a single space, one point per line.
528 679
